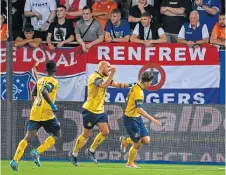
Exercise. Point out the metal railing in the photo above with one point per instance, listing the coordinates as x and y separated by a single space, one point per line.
56 42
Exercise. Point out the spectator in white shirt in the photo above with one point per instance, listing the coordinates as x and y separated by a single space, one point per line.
193 33
42 13
148 32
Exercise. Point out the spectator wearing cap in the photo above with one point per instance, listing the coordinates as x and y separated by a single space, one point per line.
102 10
88 30
28 37
193 33
136 11
74 9
209 11
218 33
60 30
148 32
173 17
4 29
42 13
117 29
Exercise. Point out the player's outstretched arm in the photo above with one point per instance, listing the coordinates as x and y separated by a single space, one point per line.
142 112
122 85
35 70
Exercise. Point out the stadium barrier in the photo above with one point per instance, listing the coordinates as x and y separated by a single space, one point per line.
190 133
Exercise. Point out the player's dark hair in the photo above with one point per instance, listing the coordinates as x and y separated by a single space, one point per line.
147 76
61 6
146 14
50 66
222 13
87 8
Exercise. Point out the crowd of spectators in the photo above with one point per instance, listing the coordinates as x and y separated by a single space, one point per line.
89 22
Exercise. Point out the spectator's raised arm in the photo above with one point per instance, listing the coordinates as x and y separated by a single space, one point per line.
133 19
212 10
208 11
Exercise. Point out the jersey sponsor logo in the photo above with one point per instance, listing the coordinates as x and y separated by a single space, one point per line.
44 4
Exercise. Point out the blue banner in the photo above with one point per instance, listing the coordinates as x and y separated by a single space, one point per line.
178 96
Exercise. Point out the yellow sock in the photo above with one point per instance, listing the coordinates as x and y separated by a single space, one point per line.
132 155
50 141
97 141
20 150
128 141
80 142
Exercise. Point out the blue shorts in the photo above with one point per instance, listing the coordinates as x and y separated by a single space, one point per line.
51 126
135 128
91 119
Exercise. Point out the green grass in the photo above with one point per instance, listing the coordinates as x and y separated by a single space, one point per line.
66 168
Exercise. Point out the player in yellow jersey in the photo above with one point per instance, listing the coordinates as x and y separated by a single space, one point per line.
138 133
42 115
93 109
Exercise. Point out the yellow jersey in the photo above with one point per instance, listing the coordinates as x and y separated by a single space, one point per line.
41 110
96 94
134 100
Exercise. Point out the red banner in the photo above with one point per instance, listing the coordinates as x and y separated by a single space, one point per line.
161 54
69 61
73 61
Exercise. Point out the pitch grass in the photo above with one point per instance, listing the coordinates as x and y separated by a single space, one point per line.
87 168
